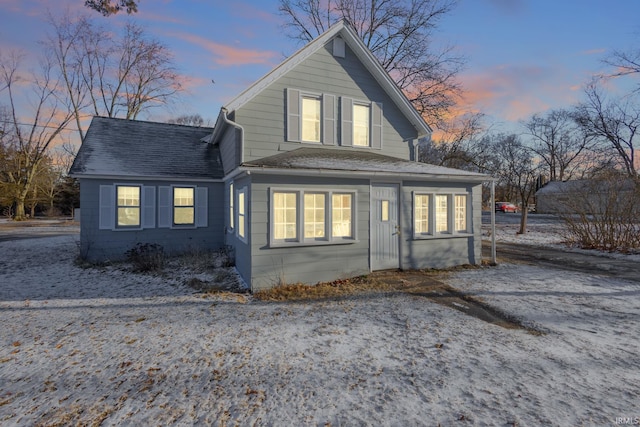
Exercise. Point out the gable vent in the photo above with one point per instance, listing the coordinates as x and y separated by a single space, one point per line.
338 47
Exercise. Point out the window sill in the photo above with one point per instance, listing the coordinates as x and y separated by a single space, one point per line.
443 236
311 244
127 229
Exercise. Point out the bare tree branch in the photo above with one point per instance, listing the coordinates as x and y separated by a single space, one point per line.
617 122
107 8
399 34
46 118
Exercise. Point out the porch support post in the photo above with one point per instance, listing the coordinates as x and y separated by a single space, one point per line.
493 222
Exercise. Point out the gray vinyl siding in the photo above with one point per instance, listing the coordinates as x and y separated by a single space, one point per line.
445 251
104 245
263 117
306 264
241 249
230 149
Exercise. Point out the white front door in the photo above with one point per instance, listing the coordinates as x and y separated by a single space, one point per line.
385 229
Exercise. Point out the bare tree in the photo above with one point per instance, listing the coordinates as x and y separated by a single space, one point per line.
458 144
111 76
517 170
399 34
559 141
617 122
188 120
624 63
33 131
107 7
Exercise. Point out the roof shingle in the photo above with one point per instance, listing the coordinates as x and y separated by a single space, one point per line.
131 148
357 161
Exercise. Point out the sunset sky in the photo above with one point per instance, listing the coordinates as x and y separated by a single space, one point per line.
524 56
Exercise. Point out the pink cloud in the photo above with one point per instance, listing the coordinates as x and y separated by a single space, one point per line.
514 92
598 51
229 55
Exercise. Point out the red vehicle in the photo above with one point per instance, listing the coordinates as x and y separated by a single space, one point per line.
506 207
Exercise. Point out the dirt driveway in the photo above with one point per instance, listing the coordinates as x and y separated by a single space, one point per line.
583 262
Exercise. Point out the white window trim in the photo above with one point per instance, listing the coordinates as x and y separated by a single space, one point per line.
429 232
238 216
467 210
357 103
231 206
432 234
173 207
328 218
117 227
317 97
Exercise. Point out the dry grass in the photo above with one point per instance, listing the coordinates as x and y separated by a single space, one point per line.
335 289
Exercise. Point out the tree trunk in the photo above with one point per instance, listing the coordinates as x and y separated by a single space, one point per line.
523 219
20 214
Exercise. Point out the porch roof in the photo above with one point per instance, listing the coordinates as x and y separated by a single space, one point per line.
357 161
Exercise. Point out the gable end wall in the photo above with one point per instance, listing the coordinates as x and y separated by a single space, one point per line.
263 117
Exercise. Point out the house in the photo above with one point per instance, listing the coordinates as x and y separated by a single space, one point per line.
309 175
588 196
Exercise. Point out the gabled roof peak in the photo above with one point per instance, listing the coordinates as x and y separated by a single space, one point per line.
346 31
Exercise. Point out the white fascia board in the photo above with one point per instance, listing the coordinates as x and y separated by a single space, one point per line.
366 174
143 178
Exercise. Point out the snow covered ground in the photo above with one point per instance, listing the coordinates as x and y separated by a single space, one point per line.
111 347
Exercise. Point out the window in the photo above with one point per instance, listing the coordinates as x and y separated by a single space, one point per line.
128 206
361 123
183 206
311 118
384 210
242 213
342 215
314 216
361 115
421 213
442 213
285 213
232 212
309 214
438 214
460 219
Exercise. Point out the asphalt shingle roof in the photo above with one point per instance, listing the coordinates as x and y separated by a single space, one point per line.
355 160
120 147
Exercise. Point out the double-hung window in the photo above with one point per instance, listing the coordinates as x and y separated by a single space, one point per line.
361 114
421 214
311 118
342 215
285 216
361 123
241 226
308 217
128 206
184 206
314 216
442 213
460 213
232 212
